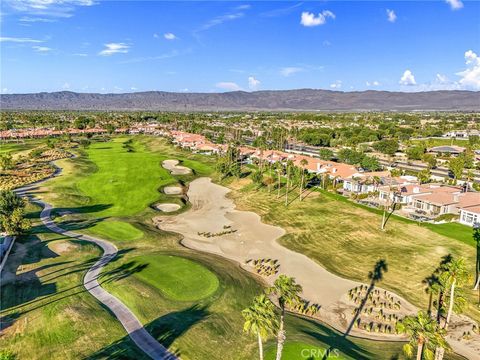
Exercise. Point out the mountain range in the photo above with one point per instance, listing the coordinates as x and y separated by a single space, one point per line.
271 100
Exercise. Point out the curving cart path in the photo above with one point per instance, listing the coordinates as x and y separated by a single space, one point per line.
140 336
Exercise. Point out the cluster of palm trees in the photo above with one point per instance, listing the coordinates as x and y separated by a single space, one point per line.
263 318
427 330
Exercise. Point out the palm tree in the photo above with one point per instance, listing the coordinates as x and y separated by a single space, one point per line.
287 292
432 287
423 332
289 168
279 169
476 237
303 163
260 320
456 274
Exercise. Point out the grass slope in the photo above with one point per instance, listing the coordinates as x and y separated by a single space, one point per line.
346 239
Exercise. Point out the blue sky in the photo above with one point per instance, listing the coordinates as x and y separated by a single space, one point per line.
194 46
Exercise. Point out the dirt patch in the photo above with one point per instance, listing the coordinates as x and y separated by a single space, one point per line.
61 247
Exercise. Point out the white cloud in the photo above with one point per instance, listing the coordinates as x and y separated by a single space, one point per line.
41 49
114 48
336 85
169 36
391 16
156 36
253 83
220 20
373 83
407 78
4 90
19 40
47 8
28 19
230 86
66 86
243 7
290 70
442 79
455 4
470 77
309 19
133 88
80 54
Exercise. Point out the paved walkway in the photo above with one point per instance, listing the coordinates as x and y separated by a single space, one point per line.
140 336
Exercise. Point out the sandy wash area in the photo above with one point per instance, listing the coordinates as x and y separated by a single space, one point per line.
174 168
213 225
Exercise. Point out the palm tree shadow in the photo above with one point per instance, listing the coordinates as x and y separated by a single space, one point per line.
375 276
166 329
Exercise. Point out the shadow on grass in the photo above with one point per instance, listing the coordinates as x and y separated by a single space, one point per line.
166 329
29 291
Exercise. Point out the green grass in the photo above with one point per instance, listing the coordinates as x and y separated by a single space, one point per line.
177 278
456 231
300 350
13 148
346 239
53 317
127 182
116 230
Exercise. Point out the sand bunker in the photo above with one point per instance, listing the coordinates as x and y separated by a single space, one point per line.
212 212
173 190
174 168
167 207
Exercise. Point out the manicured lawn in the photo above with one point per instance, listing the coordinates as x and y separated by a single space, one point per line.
457 231
125 181
116 230
150 275
299 350
177 278
346 239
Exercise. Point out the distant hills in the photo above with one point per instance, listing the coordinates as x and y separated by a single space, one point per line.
286 100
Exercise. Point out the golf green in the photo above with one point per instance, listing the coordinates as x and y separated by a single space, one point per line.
177 278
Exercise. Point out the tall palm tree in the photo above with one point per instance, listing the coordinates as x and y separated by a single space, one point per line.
287 292
476 238
432 283
279 169
303 163
423 332
260 320
289 169
456 274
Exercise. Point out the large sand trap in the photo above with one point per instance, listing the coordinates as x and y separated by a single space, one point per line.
212 211
173 190
167 207
174 168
